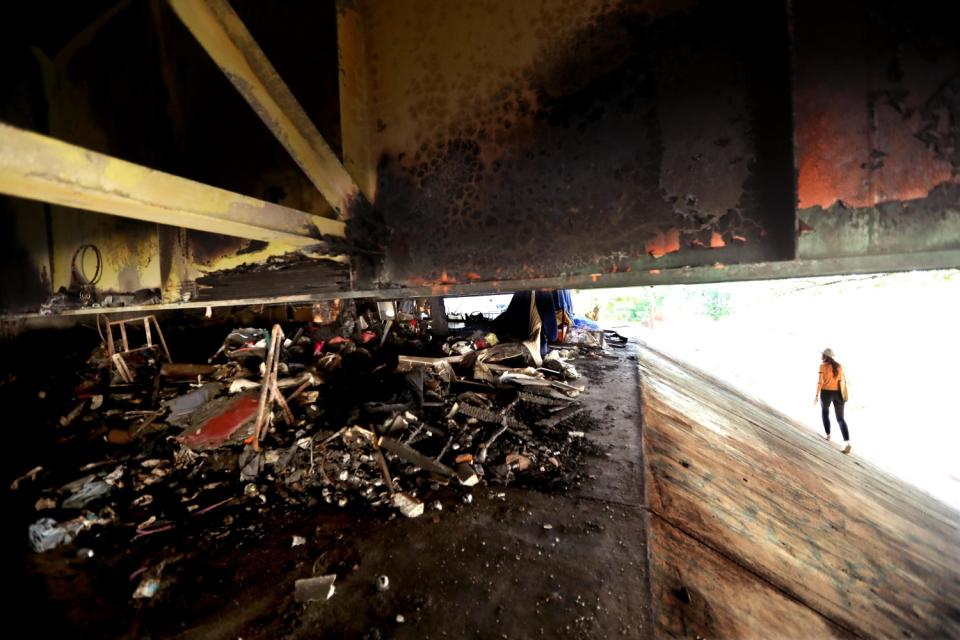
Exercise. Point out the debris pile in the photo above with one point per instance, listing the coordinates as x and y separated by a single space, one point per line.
363 408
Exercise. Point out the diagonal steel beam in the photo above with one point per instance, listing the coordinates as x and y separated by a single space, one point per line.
41 168
224 36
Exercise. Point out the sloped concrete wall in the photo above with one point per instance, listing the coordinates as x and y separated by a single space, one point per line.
758 528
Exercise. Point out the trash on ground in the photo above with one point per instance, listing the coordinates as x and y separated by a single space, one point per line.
355 410
313 589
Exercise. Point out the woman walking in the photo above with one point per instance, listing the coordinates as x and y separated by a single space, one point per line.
830 389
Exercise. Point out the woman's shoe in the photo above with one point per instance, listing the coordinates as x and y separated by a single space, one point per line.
846 447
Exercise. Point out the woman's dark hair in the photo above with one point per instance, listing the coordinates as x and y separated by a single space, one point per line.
833 363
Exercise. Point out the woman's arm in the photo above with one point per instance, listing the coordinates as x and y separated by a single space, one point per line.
816 398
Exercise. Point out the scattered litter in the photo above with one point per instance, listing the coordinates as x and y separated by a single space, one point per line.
360 411
89 492
408 506
184 405
314 589
46 534
73 414
242 384
147 588
143 500
29 475
383 583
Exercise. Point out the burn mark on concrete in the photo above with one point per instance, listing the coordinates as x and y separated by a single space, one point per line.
26 282
940 130
877 100
253 246
206 248
600 151
290 274
365 242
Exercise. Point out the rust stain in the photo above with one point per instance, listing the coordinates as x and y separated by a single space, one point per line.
664 243
877 95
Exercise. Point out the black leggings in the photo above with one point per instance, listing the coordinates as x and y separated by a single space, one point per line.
826 397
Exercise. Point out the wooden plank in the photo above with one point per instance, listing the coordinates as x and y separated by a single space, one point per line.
172 371
560 416
698 593
110 347
843 537
163 342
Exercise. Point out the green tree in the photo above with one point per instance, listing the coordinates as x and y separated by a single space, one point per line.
716 304
637 308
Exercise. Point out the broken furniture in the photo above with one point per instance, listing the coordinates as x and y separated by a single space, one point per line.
117 356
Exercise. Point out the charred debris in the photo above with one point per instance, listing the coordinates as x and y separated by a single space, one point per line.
369 406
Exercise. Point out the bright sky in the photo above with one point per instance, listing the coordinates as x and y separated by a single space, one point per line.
896 336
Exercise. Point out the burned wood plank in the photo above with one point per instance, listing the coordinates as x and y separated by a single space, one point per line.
548 401
560 416
485 445
173 371
546 392
492 417
466 474
412 455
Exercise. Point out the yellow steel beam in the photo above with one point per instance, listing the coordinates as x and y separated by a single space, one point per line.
221 32
41 168
356 116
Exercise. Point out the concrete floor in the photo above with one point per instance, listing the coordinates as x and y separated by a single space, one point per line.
490 569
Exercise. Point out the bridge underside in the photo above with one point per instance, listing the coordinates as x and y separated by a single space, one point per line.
199 153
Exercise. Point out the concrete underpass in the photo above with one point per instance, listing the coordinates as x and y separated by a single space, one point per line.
253 391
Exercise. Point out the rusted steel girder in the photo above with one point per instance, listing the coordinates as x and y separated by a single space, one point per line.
223 35
41 168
